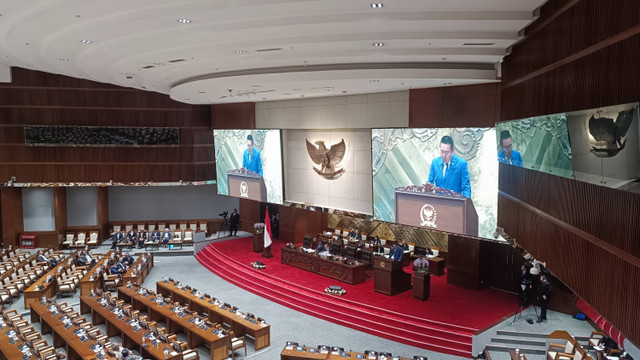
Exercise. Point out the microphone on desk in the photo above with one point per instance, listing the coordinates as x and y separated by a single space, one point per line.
436 178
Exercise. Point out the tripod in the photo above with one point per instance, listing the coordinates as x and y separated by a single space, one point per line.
526 289
224 227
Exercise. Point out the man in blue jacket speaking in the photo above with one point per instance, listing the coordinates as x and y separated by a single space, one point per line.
450 171
507 155
251 158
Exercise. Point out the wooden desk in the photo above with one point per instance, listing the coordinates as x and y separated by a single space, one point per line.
63 336
176 323
304 354
87 283
41 288
145 260
239 325
350 274
10 351
513 355
436 266
131 339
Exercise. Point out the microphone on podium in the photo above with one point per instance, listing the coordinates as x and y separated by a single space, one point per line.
436 178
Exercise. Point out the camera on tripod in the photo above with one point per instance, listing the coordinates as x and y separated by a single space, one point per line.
224 214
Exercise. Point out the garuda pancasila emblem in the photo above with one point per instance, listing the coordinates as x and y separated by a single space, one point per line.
328 159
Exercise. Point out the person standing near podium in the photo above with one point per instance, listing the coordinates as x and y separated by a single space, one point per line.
234 220
251 159
396 252
450 171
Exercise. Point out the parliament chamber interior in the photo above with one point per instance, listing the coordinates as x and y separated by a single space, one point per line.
322 179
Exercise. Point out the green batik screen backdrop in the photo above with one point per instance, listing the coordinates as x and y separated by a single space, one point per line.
542 141
402 157
230 146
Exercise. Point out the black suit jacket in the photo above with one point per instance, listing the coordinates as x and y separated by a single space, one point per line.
234 219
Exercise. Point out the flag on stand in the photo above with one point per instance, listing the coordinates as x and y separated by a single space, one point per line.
267 229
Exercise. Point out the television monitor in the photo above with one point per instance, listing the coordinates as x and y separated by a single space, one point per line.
437 178
249 164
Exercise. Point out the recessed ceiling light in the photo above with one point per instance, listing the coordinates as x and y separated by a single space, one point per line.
377 44
377 5
183 21
84 75
63 59
85 41
240 51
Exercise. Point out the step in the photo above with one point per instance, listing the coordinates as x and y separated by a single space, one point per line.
522 334
524 349
409 329
519 341
362 324
351 306
462 330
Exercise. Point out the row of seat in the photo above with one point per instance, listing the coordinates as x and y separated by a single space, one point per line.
20 271
161 226
79 240
152 326
340 352
566 347
26 335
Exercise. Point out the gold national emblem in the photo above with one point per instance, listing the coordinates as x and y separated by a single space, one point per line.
328 159
381 264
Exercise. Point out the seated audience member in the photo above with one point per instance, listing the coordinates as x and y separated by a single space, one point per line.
396 252
166 237
117 238
42 258
128 258
421 262
352 233
132 236
604 346
88 259
377 245
155 236
142 237
323 247
61 355
405 246
80 259
357 235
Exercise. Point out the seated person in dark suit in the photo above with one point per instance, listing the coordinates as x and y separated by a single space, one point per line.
132 236
114 269
80 260
396 252
142 237
352 233
128 258
377 245
357 235
155 236
360 245
42 258
117 238
405 246
166 237
323 247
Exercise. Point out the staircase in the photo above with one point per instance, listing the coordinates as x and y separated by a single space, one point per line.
407 329
529 343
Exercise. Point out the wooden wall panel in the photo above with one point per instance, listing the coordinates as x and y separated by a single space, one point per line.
36 98
60 208
249 214
103 211
610 215
606 277
463 262
233 116
12 225
287 223
455 106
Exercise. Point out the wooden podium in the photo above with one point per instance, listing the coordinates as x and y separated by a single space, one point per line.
246 184
389 278
436 211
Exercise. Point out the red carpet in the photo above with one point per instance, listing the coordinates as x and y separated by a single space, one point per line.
444 323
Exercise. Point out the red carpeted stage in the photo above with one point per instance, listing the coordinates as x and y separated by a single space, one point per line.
444 323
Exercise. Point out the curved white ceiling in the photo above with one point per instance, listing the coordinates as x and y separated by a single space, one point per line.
263 49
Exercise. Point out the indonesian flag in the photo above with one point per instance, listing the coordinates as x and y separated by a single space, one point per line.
267 229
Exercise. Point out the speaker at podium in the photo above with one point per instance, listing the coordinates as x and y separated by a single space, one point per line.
246 184
436 208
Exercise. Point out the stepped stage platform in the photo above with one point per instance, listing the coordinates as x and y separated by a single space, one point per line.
445 323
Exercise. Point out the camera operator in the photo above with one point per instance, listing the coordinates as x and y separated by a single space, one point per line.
234 220
525 284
